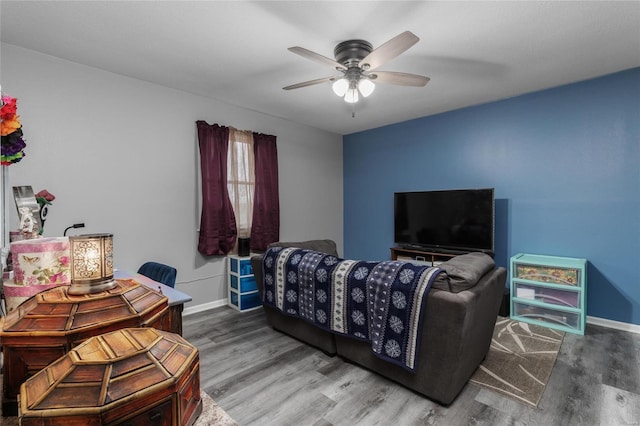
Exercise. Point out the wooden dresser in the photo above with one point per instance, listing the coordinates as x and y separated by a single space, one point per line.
51 323
134 376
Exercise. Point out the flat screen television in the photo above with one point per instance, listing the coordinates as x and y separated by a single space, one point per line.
459 220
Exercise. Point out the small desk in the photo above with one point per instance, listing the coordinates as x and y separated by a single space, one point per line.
177 299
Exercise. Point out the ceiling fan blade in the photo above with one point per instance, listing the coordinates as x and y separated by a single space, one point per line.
399 78
389 50
316 57
310 83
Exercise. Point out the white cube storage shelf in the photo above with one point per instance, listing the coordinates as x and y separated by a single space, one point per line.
550 291
242 290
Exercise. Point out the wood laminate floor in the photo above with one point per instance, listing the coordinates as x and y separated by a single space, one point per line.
263 377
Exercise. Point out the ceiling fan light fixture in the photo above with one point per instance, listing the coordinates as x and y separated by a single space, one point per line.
340 87
359 62
366 87
352 96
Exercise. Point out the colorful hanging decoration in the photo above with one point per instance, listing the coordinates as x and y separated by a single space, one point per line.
11 132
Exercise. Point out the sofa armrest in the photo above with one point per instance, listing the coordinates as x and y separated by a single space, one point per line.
456 334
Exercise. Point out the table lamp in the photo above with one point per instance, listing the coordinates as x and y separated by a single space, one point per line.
91 263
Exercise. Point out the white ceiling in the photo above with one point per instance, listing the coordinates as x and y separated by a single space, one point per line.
236 51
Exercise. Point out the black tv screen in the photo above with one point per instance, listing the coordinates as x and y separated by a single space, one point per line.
460 220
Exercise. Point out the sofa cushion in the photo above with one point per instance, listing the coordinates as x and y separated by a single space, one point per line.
463 272
323 246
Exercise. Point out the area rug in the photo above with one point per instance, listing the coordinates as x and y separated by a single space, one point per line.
520 360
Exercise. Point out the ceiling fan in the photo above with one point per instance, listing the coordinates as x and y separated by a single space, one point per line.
357 60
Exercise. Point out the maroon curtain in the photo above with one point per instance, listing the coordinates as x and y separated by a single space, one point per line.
217 221
265 224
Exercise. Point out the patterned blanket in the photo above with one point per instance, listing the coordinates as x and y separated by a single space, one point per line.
380 302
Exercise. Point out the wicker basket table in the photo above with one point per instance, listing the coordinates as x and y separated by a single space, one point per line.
49 324
134 376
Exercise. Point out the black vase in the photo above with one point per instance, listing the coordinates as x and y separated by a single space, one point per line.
243 246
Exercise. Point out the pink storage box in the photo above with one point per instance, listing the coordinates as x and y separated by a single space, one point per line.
42 261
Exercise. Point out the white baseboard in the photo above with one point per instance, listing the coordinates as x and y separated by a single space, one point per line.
624 326
633 328
204 307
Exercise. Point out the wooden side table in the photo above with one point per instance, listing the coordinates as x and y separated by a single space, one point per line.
137 376
51 323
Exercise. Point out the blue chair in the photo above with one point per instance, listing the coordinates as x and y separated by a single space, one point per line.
159 272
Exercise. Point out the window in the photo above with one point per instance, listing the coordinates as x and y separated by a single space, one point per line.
244 201
241 178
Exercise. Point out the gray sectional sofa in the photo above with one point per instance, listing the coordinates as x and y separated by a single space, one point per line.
461 310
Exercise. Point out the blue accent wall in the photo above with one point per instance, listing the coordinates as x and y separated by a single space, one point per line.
565 165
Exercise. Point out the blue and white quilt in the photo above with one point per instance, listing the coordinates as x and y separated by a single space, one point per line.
380 302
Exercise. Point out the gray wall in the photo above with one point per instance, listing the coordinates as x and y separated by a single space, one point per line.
121 156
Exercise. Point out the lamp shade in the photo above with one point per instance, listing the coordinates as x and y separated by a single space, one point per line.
352 96
91 263
340 87
366 87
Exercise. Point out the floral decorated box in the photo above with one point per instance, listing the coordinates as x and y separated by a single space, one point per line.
550 274
41 261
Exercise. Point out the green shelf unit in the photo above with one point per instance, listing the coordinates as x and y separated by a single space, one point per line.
550 291
242 293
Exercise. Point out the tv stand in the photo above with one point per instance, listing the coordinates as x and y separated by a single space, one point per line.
430 257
